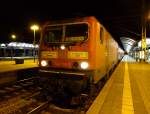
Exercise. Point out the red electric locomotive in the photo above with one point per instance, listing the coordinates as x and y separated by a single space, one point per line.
76 53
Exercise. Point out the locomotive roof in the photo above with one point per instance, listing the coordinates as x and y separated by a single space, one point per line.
77 19
72 20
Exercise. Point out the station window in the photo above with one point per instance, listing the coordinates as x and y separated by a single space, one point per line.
101 35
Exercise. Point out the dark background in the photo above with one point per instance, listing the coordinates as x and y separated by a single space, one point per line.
122 18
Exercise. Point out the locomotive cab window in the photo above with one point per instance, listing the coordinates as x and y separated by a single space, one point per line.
66 33
76 32
53 34
101 35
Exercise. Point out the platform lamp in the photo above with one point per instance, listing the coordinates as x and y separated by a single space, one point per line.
13 37
34 28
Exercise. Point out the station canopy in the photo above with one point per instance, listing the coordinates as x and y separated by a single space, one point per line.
147 43
138 46
18 45
127 43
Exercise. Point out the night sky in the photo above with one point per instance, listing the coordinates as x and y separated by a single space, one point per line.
120 17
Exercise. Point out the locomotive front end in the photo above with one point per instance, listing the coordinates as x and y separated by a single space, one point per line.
65 47
64 55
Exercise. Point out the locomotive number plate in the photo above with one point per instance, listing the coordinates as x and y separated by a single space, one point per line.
77 55
49 54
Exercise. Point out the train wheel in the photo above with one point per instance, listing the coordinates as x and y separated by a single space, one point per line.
107 76
93 90
91 87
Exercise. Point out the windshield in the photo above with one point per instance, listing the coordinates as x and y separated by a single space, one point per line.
53 34
66 33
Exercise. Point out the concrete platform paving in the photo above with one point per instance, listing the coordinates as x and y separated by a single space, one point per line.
126 92
10 65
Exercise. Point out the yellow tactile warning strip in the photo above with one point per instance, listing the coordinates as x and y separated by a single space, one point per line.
127 101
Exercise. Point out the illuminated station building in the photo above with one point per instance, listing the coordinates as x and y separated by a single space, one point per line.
134 48
18 49
138 53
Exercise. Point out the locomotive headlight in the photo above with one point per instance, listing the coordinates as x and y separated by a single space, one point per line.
44 63
84 65
62 47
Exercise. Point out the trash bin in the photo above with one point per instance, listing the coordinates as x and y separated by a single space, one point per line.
19 61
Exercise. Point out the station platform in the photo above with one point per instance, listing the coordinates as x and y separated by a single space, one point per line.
126 92
10 65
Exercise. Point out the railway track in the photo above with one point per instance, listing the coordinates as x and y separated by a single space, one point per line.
17 88
27 97
19 94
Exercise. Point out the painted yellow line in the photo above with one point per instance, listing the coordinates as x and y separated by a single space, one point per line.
127 102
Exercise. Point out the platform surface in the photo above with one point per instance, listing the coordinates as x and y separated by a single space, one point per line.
126 92
10 65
